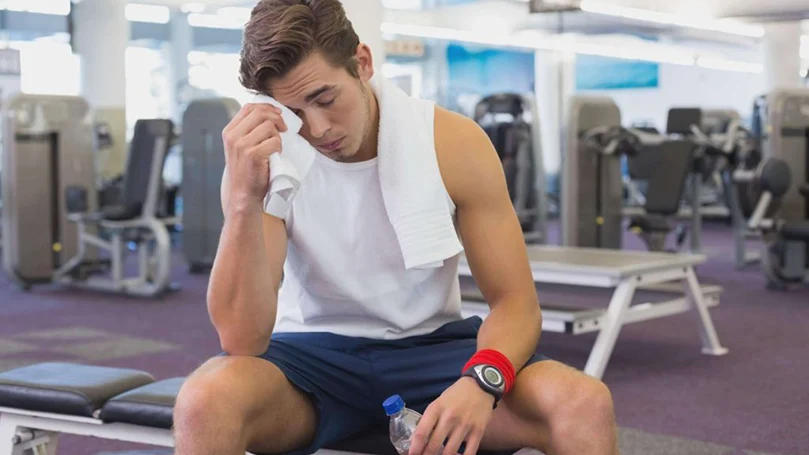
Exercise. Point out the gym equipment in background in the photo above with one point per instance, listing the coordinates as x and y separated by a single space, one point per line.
592 196
203 164
47 148
512 125
780 186
55 232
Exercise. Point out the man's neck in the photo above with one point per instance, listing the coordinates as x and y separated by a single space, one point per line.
369 147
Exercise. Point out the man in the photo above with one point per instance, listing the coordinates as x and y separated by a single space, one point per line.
311 364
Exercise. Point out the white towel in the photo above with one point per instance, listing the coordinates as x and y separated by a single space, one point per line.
412 188
287 168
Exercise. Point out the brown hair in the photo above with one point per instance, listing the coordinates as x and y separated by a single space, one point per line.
281 33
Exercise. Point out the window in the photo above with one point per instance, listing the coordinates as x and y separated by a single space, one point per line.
48 67
148 93
214 74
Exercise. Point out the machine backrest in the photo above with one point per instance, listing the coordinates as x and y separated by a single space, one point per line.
501 103
774 176
667 182
681 119
150 142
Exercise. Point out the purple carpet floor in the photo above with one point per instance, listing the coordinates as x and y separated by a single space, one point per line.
753 400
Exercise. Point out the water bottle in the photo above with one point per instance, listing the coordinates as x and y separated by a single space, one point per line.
403 422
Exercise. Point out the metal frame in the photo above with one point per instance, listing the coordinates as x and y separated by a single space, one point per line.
24 432
661 272
153 269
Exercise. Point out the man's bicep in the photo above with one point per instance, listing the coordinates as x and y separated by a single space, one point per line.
491 232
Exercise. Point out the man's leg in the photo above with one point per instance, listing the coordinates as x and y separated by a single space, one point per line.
556 409
234 404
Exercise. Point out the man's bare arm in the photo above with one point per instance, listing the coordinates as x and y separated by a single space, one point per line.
492 237
243 289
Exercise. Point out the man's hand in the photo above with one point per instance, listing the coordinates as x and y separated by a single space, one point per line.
250 138
460 414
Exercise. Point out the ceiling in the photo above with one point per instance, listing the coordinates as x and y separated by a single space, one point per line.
760 9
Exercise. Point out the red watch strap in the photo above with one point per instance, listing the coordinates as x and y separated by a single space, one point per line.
497 360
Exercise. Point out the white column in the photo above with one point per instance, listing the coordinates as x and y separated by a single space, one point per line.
182 38
100 37
782 54
366 16
554 78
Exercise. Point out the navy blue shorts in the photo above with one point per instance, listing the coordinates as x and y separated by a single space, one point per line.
348 378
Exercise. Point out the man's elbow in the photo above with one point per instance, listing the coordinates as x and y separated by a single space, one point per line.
239 345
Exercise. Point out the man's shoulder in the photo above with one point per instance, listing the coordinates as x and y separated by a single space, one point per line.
462 148
453 130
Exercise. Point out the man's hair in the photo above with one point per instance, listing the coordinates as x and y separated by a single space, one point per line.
281 33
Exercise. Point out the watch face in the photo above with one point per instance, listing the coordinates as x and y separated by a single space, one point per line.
492 376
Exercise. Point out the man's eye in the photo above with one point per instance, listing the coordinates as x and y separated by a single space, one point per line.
326 103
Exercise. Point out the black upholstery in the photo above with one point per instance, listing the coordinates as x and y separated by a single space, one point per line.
65 388
680 120
139 168
151 405
796 230
775 176
650 224
667 180
804 190
129 396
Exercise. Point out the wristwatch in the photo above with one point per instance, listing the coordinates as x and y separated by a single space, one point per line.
490 379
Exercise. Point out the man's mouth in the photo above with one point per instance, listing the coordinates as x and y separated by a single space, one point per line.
331 146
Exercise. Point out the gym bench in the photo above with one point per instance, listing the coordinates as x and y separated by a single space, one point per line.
39 402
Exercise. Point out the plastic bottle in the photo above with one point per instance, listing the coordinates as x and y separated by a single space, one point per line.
403 422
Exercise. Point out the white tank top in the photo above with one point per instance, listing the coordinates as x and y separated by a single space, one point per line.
344 272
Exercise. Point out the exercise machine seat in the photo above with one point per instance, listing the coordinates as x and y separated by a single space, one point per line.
132 397
121 212
151 405
65 388
650 224
796 230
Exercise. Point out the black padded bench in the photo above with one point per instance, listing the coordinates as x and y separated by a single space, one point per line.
39 402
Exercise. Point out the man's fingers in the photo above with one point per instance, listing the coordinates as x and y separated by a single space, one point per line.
259 115
266 148
421 434
263 131
243 112
456 438
473 442
435 445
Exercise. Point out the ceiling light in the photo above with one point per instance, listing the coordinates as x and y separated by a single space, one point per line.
714 25
137 12
192 8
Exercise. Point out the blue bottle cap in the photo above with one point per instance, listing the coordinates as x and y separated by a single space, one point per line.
393 404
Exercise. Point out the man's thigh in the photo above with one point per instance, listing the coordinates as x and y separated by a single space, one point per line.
269 412
334 382
420 369
543 393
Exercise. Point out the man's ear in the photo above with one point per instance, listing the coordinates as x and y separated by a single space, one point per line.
365 62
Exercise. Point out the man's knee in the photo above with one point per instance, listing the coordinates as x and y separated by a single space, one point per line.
216 395
588 408
205 399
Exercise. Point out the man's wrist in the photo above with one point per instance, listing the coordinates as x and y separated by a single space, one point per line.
480 389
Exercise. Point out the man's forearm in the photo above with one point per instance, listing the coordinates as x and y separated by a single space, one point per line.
242 293
513 328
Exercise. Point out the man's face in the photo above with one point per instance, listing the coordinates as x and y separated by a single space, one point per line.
334 105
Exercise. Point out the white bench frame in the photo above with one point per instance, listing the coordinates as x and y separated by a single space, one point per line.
650 270
40 432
